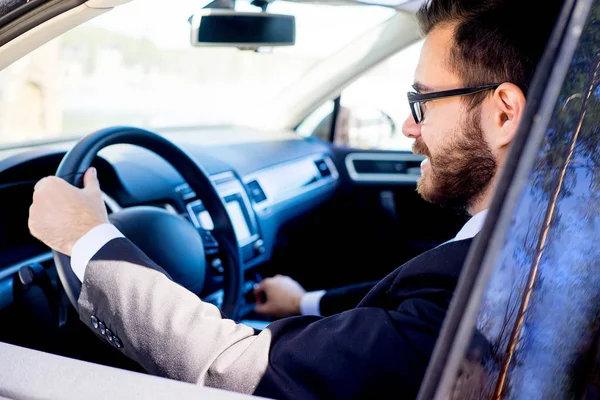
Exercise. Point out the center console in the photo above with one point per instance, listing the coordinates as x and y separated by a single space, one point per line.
245 227
238 207
274 194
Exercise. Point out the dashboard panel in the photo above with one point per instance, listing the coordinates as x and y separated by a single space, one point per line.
15 241
281 180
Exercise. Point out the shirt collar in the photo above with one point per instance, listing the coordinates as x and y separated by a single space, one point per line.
472 227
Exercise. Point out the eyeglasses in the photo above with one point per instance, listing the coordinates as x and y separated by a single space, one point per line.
416 100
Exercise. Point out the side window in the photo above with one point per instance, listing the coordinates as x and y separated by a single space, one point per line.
318 123
372 108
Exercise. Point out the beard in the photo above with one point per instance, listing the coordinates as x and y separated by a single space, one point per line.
461 171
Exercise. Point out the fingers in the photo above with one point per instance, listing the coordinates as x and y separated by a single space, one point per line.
263 286
259 293
261 306
49 184
260 287
90 180
266 308
43 187
30 221
40 184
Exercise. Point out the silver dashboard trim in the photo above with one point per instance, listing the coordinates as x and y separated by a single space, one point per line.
111 203
217 179
259 176
227 185
227 175
374 177
196 223
192 215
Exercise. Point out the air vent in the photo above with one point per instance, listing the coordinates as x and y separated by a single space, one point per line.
323 167
256 191
380 166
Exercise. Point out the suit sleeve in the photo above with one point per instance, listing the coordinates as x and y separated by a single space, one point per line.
365 352
344 298
164 327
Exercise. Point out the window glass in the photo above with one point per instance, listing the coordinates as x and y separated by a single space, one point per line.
374 106
536 332
318 123
134 65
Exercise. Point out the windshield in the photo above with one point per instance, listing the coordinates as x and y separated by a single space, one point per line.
135 66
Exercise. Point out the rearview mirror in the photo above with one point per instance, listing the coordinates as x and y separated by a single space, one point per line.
230 28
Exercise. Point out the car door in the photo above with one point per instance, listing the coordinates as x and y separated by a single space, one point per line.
524 319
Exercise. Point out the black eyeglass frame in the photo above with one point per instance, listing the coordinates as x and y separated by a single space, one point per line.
415 99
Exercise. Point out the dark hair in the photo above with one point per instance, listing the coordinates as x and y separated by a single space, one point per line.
495 41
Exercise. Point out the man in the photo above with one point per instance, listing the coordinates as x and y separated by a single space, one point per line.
380 348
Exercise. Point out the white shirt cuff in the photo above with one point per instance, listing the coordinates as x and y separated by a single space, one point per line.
89 244
310 303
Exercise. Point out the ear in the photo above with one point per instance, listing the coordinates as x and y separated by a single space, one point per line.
508 104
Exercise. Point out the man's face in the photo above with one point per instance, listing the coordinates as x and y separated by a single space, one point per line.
460 164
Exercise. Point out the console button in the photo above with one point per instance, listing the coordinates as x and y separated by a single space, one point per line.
249 292
207 238
259 246
217 266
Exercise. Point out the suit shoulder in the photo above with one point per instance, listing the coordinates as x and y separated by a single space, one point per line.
446 259
434 271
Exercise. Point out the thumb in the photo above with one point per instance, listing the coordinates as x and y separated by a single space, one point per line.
90 179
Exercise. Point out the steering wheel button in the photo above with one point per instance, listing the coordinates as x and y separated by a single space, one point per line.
94 322
102 327
117 342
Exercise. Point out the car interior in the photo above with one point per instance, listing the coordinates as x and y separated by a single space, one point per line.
301 200
237 140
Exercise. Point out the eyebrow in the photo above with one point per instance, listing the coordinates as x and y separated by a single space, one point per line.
420 88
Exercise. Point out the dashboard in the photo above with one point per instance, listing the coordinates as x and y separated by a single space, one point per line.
262 183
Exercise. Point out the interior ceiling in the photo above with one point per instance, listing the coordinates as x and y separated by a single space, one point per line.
404 5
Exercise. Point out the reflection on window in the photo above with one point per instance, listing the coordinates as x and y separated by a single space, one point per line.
539 321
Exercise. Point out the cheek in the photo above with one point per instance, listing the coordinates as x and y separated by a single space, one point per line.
427 138
440 128
433 138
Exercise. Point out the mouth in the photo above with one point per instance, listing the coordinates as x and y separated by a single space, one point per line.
424 163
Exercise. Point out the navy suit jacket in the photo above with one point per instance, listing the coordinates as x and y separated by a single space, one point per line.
380 349
344 298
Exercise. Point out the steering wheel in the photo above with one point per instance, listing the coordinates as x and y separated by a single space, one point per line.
169 240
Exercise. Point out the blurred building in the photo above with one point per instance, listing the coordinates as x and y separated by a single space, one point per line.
30 104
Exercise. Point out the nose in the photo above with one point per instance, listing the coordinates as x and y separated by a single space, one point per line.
410 128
